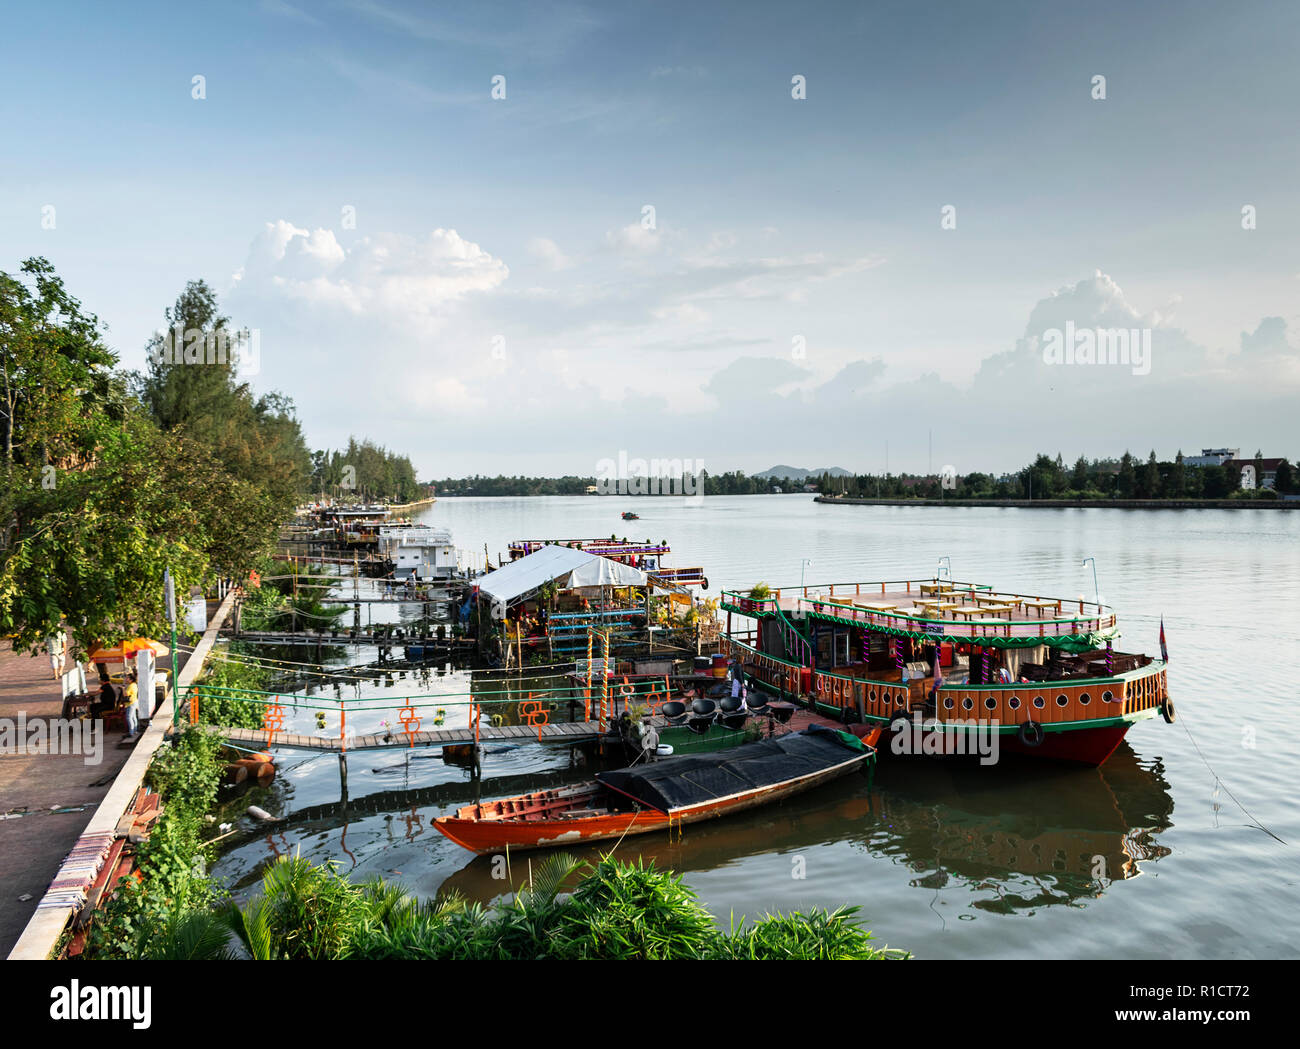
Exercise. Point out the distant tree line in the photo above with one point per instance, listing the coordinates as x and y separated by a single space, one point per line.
732 483
1046 477
367 472
1050 478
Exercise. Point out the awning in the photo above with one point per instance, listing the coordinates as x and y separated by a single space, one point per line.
565 567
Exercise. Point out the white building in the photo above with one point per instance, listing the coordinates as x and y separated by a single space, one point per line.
1211 457
420 553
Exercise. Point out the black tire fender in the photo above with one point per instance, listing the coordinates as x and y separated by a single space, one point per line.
1031 733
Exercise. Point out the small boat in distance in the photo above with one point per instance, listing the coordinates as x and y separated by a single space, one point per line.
628 515
674 791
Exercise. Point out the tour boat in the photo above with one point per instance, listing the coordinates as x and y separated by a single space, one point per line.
628 515
1042 674
662 794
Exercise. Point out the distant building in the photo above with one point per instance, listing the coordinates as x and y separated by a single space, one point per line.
1211 457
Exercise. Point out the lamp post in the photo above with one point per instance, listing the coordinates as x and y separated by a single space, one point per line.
803 572
169 590
949 560
1096 592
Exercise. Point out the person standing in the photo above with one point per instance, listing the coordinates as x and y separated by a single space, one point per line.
132 697
649 741
57 644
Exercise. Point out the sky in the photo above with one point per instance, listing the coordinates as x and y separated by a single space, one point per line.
648 244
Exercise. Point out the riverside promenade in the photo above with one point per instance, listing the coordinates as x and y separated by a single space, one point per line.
46 799
57 800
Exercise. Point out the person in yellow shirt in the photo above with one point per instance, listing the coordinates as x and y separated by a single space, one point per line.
131 697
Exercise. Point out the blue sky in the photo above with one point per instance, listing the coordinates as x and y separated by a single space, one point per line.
500 306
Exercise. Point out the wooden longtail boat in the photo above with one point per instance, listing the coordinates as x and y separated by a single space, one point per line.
1040 673
672 792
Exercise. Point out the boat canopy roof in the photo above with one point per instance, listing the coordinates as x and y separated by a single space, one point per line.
567 568
682 782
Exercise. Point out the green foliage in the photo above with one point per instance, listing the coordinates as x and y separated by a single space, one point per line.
817 936
173 882
617 910
376 474
760 592
219 707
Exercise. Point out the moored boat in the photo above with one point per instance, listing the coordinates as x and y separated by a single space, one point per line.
945 665
671 792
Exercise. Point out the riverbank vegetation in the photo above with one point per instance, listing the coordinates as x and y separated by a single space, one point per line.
107 478
365 472
614 910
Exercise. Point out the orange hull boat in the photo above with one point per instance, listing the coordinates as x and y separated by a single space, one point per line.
590 811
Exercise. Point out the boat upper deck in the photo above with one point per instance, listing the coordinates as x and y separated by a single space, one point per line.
934 608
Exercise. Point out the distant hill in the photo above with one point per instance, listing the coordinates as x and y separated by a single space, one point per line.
798 473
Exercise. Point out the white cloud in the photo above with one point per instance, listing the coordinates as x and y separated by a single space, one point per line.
388 277
548 252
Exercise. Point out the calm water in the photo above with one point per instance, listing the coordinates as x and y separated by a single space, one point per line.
1148 856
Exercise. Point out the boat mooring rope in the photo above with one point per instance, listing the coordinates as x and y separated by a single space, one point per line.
1218 782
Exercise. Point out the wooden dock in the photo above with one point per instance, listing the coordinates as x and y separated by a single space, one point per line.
566 732
285 637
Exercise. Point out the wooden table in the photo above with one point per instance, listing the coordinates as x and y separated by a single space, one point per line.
874 606
936 588
997 609
1042 604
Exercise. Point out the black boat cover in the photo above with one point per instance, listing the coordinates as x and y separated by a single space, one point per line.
675 783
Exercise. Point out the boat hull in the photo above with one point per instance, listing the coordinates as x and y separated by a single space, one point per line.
1081 746
495 835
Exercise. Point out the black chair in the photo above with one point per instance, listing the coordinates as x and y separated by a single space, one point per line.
704 708
731 713
675 711
703 713
757 702
783 712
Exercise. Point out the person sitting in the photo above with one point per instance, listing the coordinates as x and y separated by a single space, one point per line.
109 697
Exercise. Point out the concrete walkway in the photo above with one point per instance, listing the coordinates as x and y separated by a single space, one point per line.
49 854
34 842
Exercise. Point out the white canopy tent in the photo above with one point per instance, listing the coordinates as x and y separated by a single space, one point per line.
565 567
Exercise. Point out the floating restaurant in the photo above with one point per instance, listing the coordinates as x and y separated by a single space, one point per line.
1042 673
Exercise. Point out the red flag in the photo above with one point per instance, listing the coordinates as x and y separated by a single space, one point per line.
1164 652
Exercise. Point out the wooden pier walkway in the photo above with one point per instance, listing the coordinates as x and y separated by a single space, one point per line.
565 732
285 637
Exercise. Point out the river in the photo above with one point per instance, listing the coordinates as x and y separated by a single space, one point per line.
1149 856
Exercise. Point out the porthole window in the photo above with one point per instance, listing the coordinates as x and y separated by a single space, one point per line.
990 703
1062 700
901 700
1014 702
947 703
1039 702
1084 699
871 695
967 703
1106 697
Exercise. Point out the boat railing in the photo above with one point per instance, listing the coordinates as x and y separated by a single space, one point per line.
1011 704
822 599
